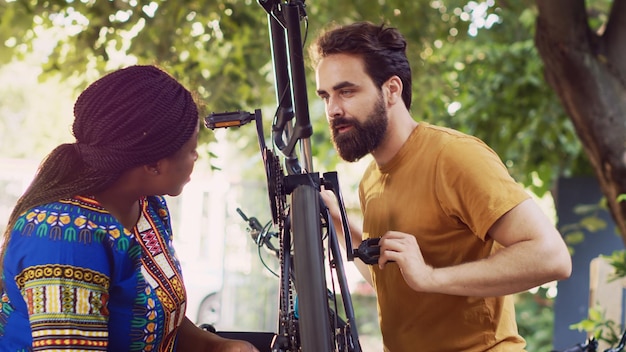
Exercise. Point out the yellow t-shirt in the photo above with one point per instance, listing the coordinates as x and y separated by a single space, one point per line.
447 189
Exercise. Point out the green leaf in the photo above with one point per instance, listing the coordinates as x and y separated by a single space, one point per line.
593 223
574 237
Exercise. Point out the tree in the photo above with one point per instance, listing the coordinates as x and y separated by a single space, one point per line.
199 42
586 68
476 66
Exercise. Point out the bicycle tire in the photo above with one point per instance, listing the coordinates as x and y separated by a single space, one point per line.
310 279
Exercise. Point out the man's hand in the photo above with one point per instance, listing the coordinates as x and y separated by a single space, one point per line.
331 202
404 250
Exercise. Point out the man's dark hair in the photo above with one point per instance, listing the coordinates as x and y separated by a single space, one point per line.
382 48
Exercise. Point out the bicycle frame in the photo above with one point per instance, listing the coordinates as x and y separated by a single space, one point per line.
307 323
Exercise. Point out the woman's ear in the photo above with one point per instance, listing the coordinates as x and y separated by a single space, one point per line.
152 169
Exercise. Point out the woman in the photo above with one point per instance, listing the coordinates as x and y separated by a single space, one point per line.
87 260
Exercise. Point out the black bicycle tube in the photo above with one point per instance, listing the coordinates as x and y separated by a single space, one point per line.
315 331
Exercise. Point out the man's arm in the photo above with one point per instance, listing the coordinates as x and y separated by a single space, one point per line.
534 253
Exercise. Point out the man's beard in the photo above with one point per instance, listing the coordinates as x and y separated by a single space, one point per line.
364 137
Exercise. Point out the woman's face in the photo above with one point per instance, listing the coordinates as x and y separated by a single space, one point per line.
176 169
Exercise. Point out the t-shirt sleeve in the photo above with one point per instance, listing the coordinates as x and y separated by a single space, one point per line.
474 186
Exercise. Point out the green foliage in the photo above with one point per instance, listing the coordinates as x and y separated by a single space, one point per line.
590 222
596 324
535 319
32 120
496 82
599 327
618 261
473 70
200 42
597 12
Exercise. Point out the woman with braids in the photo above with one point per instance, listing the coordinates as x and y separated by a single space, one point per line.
87 259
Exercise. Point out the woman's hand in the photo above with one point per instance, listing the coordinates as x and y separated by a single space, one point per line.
228 345
193 339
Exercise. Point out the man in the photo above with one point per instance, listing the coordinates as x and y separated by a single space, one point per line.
457 234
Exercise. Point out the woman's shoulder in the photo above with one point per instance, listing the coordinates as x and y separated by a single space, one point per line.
76 204
69 218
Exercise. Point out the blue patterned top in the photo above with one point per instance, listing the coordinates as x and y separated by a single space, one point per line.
75 279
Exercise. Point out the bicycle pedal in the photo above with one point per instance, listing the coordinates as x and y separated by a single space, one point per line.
368 251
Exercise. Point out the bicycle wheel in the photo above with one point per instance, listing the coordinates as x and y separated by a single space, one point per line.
310 279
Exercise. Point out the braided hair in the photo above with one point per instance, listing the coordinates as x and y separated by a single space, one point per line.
130 117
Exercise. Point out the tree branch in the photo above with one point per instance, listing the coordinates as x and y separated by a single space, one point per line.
591 92
567 22
614 39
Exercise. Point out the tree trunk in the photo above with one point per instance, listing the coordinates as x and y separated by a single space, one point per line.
588 72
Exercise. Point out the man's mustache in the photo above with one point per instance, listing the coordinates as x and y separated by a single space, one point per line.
342 121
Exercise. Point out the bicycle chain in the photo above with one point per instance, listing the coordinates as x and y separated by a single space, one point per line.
278 200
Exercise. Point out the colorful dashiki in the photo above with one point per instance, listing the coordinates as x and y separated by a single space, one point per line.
77 280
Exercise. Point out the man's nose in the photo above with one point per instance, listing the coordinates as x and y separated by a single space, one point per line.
333 109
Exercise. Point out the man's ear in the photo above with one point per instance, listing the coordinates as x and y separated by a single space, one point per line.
393 90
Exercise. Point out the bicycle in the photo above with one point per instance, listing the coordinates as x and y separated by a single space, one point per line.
309 320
